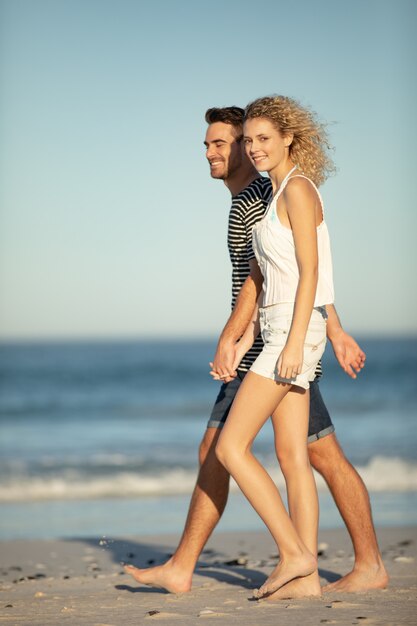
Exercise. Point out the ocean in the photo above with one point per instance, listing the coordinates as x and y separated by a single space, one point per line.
101 438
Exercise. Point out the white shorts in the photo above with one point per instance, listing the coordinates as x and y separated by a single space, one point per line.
275 325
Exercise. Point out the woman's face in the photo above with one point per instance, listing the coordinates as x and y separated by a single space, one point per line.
264 144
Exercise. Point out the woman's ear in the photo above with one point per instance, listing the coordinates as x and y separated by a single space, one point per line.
288 139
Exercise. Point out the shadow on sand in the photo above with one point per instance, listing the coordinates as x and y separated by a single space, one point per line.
212 564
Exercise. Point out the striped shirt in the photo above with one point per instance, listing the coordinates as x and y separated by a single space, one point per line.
248 207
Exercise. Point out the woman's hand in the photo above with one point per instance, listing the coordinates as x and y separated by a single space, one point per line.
290 361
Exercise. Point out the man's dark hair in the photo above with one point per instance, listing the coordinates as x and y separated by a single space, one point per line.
228 115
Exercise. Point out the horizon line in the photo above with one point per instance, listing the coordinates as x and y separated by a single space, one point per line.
410 335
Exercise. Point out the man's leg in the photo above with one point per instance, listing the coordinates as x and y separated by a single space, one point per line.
352 500
207 504
206 507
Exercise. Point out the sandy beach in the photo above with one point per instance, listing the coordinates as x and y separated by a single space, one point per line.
82 583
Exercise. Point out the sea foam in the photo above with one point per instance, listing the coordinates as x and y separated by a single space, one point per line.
381 474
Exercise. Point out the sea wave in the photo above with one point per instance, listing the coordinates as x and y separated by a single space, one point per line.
380 474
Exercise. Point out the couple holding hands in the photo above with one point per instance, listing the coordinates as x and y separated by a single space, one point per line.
268 355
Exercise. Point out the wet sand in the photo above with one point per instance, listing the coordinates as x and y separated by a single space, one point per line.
81 582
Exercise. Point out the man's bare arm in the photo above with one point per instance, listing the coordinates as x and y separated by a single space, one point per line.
348 353
237 323
244 344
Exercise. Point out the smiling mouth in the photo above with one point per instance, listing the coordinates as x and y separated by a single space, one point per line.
259 158
215 163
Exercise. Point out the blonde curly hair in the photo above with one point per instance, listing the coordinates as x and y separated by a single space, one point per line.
310 146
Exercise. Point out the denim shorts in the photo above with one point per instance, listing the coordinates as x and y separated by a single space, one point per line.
275 326
320 423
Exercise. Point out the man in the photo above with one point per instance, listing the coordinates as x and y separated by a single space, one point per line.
250 194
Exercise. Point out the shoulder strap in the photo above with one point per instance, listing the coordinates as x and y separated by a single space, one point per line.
275 196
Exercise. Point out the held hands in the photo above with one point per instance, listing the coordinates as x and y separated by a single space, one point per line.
348 353
232 354
290 361
223 367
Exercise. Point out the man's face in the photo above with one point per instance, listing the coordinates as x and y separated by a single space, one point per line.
223 152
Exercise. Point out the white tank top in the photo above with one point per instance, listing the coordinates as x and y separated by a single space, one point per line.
273 244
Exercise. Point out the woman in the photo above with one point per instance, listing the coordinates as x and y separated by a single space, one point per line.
292 247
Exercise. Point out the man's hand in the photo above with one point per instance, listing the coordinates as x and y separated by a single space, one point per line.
350 356
222 365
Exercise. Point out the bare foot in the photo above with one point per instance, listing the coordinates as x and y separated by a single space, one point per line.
287 571
166 576
361 580
306 587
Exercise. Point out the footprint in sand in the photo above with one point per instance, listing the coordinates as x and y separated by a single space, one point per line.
173 599
209 613
161 615
341 604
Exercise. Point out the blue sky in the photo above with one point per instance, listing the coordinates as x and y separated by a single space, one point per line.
110 224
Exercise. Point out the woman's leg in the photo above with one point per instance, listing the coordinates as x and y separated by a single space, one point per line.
256 400
290 422
301 488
